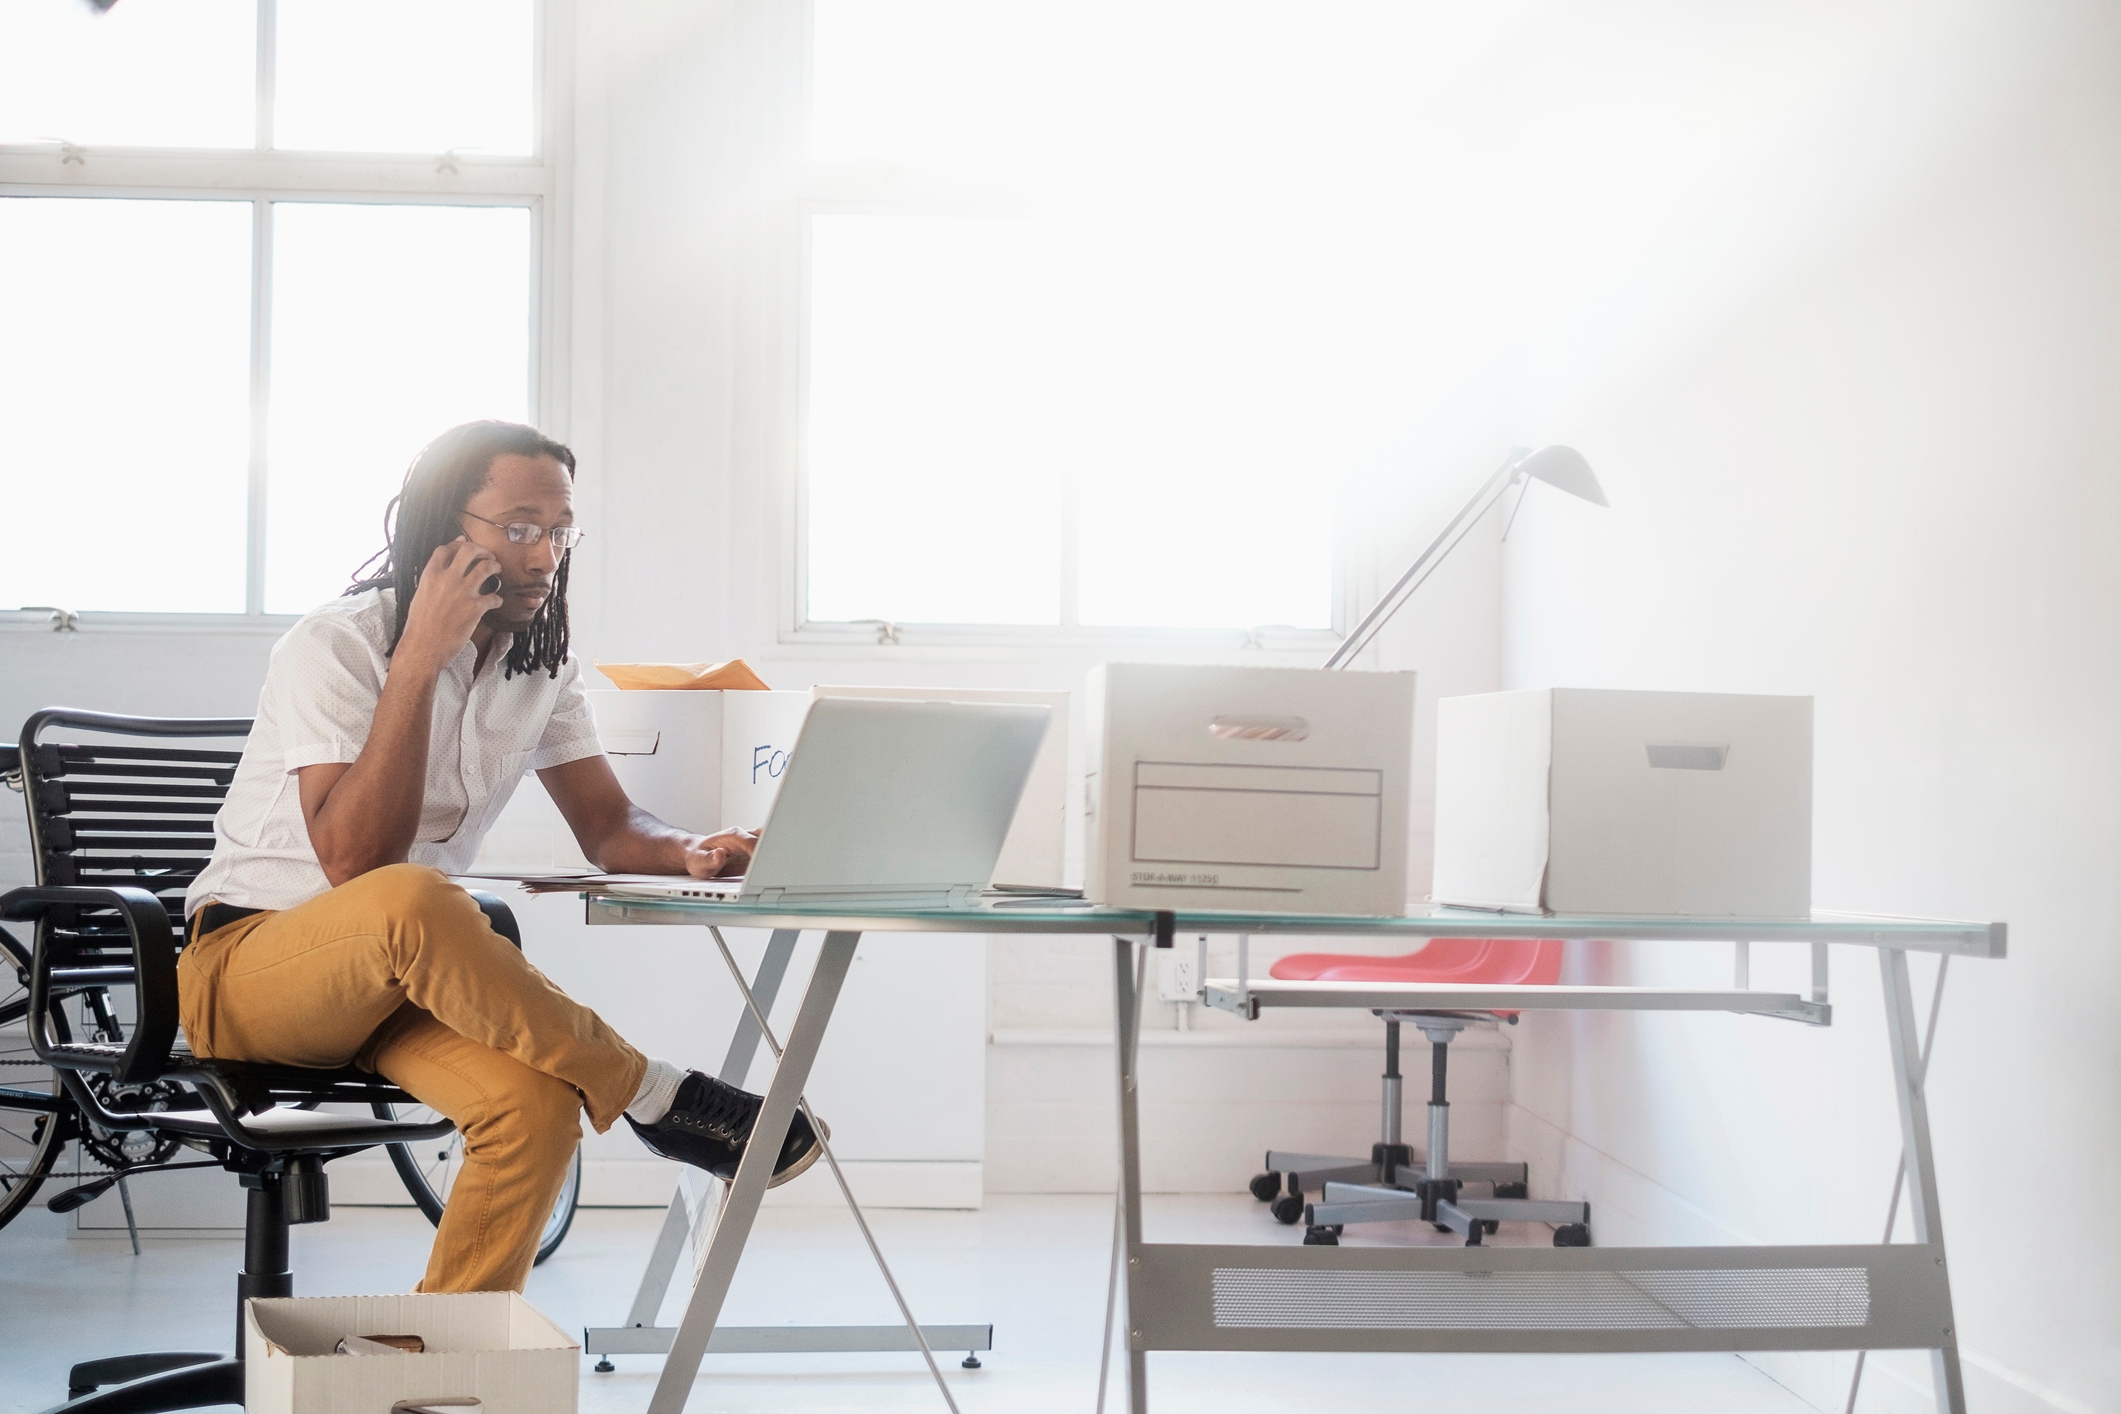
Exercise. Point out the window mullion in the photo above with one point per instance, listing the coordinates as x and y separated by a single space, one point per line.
1071 429
268 66
268 71
260 395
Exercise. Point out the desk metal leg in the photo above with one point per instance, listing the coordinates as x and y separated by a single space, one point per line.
765 986
1128 997
743 1049
741 1205
662 1265
1908 1083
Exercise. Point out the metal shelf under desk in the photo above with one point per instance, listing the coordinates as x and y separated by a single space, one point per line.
1481 1298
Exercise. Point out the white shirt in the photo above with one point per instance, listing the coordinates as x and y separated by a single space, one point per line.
318 701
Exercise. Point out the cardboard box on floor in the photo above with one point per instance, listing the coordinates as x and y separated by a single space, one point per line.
1585 801
1274 790
490 1344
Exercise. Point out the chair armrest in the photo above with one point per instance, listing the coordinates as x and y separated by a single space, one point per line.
154 978
498 914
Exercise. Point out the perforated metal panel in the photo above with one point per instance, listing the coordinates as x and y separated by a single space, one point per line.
1227 1297
1735 1298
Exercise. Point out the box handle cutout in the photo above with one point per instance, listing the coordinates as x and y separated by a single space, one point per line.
635 742
1234 728
1672 756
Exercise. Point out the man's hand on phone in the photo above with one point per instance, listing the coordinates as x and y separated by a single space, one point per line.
719 855
450 601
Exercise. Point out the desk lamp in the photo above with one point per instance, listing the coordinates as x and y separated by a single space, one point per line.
1558 466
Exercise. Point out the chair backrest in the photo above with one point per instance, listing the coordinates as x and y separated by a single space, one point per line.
1494 961
137 816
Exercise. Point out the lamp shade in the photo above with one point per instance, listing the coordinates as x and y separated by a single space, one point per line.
1563 468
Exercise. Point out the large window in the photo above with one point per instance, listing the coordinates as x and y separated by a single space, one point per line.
1105 302
253 253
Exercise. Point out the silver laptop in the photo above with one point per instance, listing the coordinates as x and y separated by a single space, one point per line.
901 804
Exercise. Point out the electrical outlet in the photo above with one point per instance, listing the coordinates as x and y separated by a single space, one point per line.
1178 975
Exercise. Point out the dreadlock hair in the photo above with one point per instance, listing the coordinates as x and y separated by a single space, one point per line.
422 517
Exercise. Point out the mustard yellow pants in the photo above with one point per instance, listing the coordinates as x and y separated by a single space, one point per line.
399 973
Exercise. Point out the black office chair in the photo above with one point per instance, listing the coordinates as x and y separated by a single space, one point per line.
118 832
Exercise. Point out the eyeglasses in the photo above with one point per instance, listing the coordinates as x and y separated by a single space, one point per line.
564 537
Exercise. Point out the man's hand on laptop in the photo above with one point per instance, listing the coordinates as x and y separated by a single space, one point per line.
725 854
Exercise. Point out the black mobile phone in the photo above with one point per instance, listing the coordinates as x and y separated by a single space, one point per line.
493 582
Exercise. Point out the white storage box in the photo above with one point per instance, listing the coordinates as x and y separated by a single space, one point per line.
1278 790
492 1345
1035 851
1582 801
700 760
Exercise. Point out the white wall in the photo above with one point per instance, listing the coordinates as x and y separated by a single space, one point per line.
675 240
1857 403
673 223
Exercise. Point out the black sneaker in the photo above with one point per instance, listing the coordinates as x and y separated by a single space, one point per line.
710 1123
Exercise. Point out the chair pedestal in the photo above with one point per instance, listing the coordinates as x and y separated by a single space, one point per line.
153 1383
1396 1184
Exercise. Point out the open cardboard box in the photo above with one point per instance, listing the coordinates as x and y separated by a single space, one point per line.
493 1345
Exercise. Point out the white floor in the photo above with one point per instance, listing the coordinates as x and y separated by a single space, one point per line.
1032 1266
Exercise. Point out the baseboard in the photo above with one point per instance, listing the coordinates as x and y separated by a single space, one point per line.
366 1181
1898 1382
1246 1038
879 1183
1213 1100
182 1204
1995 1388
627 1183
1630 1209
361 1181
369 1181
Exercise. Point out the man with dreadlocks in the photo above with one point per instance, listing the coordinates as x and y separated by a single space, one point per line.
394 724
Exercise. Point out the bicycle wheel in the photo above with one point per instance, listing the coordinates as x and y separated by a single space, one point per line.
33 1105
429 1170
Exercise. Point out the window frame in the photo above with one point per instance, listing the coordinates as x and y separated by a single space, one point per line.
262 176
819 188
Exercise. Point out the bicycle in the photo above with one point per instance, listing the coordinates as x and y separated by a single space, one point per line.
39 1119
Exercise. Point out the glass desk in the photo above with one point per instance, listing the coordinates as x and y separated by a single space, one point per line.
1496 1299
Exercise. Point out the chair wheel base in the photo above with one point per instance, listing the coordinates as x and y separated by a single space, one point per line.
1288 1209
91 1375
1572 1235
199 1384
1315 1236
1265 1186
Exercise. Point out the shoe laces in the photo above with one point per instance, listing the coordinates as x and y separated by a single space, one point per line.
723 1111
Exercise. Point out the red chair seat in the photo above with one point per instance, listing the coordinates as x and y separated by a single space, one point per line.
1494 961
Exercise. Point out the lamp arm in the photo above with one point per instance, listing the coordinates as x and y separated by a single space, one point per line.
1445 541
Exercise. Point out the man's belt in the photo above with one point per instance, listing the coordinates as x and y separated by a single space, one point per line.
216 916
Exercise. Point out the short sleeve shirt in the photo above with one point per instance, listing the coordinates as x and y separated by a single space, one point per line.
317 705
